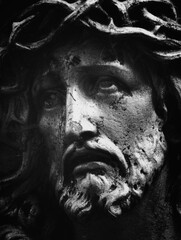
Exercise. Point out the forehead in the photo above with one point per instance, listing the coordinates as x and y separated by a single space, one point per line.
89 54
91 50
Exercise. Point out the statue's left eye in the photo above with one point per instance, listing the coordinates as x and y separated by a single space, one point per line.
51 100
106 85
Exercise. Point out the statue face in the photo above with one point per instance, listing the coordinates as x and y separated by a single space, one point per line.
104 138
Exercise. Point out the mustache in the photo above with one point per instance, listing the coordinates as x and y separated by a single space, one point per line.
100 147
105 144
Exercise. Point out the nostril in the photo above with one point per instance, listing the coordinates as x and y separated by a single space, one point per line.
79 131
86 135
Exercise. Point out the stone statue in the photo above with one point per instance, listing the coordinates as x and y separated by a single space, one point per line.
90 121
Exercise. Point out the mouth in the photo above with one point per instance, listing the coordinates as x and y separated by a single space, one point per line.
77 162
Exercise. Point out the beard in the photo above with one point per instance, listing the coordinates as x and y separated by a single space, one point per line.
94 191
110 191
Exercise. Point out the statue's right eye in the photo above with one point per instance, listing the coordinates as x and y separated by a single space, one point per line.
106 85
51 100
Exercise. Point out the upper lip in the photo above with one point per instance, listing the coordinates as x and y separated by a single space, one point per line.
74 156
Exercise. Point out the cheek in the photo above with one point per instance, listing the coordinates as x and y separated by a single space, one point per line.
136 129
131 118
52 128
146 157
51 125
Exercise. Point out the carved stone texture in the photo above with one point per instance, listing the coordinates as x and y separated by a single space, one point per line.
90 121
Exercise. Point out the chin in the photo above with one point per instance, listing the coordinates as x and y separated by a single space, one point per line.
108 193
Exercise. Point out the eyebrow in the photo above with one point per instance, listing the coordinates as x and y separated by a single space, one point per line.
45 81
109 66
52 78
117 70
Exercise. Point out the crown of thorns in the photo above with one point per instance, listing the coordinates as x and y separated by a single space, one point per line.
152 20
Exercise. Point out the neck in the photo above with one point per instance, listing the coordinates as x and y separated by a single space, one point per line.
151 219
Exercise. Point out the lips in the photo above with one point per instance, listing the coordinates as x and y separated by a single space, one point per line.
96 168
78 161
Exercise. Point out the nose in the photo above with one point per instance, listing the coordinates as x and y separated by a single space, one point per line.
79 124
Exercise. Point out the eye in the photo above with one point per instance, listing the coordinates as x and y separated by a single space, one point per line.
51 100
106 85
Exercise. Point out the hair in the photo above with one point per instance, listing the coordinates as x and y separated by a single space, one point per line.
37 25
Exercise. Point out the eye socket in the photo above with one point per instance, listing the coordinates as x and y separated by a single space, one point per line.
51 100
107 85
